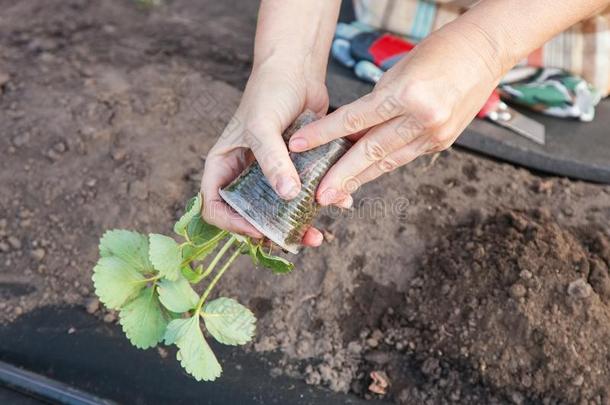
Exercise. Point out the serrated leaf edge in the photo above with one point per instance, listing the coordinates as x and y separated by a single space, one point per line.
220 338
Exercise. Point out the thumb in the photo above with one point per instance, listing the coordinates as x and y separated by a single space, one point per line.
271 153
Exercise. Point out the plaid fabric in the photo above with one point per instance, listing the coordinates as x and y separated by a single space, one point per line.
584 49
413 18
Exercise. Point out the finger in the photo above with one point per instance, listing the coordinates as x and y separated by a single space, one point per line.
399 158
271 154
366 112
312 238
218 213
374 148
219 172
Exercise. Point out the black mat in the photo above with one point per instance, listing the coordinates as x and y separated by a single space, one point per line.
573 149
70 346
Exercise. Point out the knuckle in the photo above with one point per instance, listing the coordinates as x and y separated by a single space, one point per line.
253 136
386 104
373 150
387 165
253 142
408 128
314 134
352 121
350 184
433 116
430 111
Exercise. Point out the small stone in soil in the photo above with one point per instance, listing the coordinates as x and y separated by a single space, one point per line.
14 242
118 154
38 254
162 352
518 290
109 317
579 289
21 139
53 155
525 274
60 147
4 247
372 342
578 380
92 305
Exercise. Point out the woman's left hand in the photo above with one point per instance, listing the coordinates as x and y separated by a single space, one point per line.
419 106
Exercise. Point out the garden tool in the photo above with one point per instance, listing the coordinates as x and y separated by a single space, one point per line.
501 114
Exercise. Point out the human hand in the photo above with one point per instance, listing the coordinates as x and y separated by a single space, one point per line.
419 106
273 98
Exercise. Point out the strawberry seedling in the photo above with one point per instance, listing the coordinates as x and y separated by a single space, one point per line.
150 281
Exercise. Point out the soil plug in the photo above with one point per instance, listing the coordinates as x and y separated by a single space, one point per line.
284 222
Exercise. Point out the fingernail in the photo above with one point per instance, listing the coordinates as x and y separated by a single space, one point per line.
318 240
287 188
297 144
346 203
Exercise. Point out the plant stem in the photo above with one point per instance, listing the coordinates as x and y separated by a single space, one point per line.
215 260
219 255
185 235
217 277
203 248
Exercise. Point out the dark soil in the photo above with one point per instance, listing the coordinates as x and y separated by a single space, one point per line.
442 280
514 303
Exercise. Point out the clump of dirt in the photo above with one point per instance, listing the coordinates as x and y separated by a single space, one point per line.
505 307
513 303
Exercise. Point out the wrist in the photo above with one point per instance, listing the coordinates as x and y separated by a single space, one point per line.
297 65
481 45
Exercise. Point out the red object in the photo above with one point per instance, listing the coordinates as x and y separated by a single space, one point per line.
490 105
388 46
535 58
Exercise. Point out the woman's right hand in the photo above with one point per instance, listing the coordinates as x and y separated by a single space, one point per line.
274 96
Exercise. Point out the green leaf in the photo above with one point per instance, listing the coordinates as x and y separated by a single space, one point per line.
194 353
177 296
277 264
143 320
131 247
193 209
228 321
115 281
165 256
200 232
